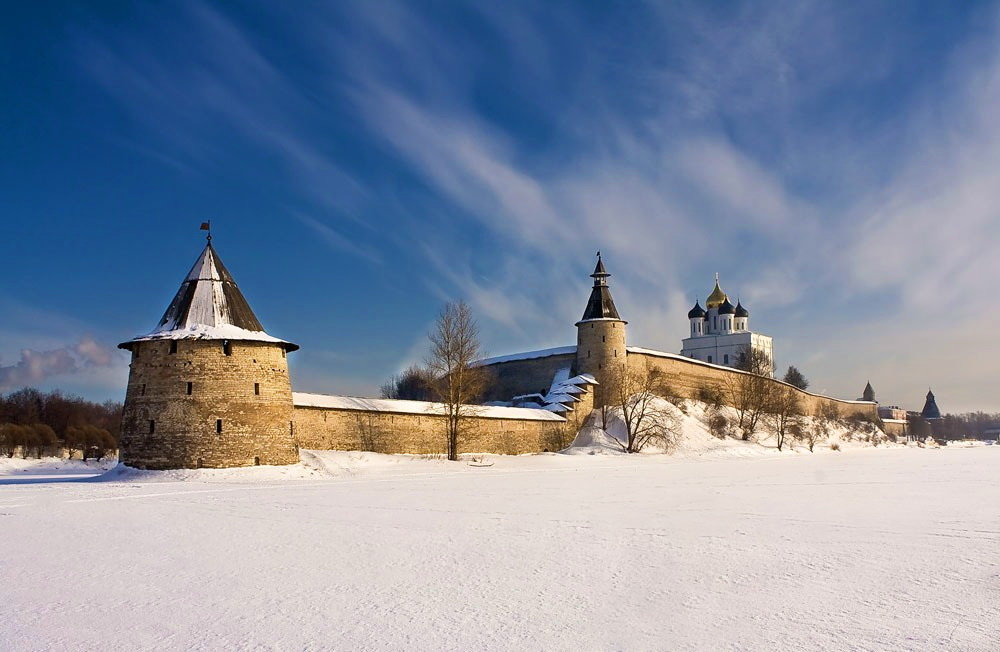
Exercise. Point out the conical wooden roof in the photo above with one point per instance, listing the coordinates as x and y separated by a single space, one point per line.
209 305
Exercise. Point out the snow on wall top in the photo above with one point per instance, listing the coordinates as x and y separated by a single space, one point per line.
528 355
209 305
677 356
301 399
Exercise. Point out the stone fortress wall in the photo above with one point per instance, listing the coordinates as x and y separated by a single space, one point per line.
685 376
207 403
388 426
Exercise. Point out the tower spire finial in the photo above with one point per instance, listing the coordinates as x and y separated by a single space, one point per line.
207 226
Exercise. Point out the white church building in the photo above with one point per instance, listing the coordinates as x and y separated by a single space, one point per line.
720 331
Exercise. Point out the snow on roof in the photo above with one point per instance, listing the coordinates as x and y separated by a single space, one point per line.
300 399
209 305
202 332
561 397
677 356
528 355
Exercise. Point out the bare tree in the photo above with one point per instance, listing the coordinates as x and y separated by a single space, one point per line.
750 393
714 419
458 383
370 435
412 384
784 413
639 393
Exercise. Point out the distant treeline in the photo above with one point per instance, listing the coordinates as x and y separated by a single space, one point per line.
34 423
969 424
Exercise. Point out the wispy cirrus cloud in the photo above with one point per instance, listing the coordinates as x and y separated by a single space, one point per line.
804 150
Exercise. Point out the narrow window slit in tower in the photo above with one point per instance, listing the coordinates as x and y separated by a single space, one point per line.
603 338
227 348
173 346
190 388
152 426
142 390
218 426
256 389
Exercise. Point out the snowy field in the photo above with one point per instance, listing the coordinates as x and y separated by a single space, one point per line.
865 549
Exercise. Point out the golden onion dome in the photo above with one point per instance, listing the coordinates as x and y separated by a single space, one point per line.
718 297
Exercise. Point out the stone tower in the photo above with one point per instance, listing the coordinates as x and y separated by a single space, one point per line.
600 338
208 387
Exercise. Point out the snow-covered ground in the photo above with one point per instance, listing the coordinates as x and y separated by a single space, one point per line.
863 549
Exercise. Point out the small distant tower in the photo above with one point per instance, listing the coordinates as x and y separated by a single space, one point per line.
600 338
930 411
869 393
208 387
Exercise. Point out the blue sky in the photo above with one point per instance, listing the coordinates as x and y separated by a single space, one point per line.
838 164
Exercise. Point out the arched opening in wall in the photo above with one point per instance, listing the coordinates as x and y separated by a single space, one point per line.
256 461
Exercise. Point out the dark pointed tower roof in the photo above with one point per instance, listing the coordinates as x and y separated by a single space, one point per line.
740 310
600 305
869 393
727 308
209 306
930 410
